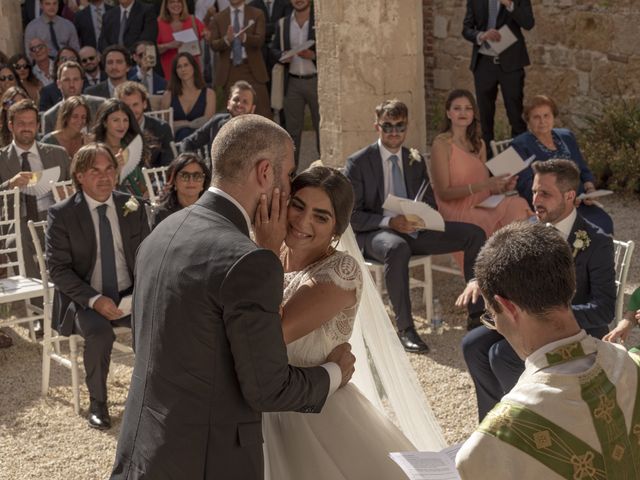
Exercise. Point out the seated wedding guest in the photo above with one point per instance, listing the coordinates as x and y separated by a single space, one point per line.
91 243
187 179
56 31
459 175
174 17
115 61
493 364
71 126
90 61
139 24
9 97
157 132
546 142
116 126
9 78
52 94
241 101
43 67
143 71
574 412
631 319
388 167
88 22
193 103
31 84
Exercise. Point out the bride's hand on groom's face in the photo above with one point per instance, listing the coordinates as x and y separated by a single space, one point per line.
270 222
342 356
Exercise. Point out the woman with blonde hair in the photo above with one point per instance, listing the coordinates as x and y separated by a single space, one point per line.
71 126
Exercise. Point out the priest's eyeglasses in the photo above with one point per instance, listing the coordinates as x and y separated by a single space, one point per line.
488 319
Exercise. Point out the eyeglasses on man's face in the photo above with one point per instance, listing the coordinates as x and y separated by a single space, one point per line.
387 127
195 176
88 59
37 48
488 319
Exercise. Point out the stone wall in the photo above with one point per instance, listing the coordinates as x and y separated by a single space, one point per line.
11 27
368 51
583 53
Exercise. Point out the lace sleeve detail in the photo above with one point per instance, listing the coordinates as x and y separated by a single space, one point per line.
342 270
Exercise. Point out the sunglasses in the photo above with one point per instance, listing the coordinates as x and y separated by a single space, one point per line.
22 66
488 319
4 78
36 48
88 59
393 127
195 176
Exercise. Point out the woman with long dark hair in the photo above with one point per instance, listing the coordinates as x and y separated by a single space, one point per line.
193 103
9 78
9 97
23 67
188 176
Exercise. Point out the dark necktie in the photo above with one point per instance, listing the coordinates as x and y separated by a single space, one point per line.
123 26
397 179
30 201
269 8
98 22
107 256
236 45
54 38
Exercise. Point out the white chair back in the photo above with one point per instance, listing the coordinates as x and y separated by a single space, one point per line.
622 258
500 146
62 190
166 115
155 179
11 256
43 130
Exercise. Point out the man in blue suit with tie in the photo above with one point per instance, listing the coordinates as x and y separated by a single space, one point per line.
387 167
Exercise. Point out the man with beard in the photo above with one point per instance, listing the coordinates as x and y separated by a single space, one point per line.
493 364
116 65
90 60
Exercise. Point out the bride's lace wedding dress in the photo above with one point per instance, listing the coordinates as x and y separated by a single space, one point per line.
350 439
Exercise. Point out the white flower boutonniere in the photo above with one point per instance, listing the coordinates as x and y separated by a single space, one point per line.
131 206
414 156
581 242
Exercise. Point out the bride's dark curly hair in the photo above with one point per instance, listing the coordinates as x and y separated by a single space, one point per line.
337 187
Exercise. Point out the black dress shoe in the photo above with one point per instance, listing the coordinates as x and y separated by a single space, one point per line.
99 416
473 321
411 341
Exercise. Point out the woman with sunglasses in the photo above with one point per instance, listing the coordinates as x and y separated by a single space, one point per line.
9 78
31 84
188 177
11 96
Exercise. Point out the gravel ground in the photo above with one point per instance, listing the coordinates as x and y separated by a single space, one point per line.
41 437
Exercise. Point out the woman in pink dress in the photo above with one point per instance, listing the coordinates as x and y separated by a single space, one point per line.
174 17
459 176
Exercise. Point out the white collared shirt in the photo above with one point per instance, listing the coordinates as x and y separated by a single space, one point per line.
564 226
126 9
232 11
297 36
224 194
387 178
44 200
122 271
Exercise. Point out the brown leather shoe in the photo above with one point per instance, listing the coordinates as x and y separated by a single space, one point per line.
5 340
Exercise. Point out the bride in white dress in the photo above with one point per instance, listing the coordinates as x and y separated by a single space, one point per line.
351 438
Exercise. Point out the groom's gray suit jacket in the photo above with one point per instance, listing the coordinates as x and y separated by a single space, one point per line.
210 356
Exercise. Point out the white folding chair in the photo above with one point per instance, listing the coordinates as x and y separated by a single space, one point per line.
16 286
166 115
155 179
43 130
51 340
622 258
62 190
423 261
500 146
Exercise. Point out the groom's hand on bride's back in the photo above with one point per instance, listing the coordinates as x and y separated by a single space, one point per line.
342 356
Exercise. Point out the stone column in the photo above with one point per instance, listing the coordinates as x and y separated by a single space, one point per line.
368 51
11 27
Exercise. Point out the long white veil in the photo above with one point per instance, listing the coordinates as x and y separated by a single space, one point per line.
383 372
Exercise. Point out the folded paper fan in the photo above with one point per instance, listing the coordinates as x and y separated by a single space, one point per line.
40 182
131 157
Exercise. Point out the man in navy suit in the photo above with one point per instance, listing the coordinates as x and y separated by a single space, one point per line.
481 23
493 364
383 168
127 24
88 22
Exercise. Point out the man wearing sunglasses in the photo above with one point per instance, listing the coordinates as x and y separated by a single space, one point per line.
574 412
493 364
43 67
90 61
387 167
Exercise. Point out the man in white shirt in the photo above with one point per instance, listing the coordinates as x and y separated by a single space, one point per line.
91 243
42 63
56 31
116 65
573 413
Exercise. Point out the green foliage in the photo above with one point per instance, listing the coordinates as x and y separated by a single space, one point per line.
611 146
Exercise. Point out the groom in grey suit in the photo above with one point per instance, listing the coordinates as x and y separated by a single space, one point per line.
386 167
210 355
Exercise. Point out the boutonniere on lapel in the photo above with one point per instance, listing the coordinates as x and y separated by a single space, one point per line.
414 156
581 243
131 206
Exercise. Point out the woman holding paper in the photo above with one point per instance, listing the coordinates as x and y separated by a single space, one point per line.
546 142
460 179
174 17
